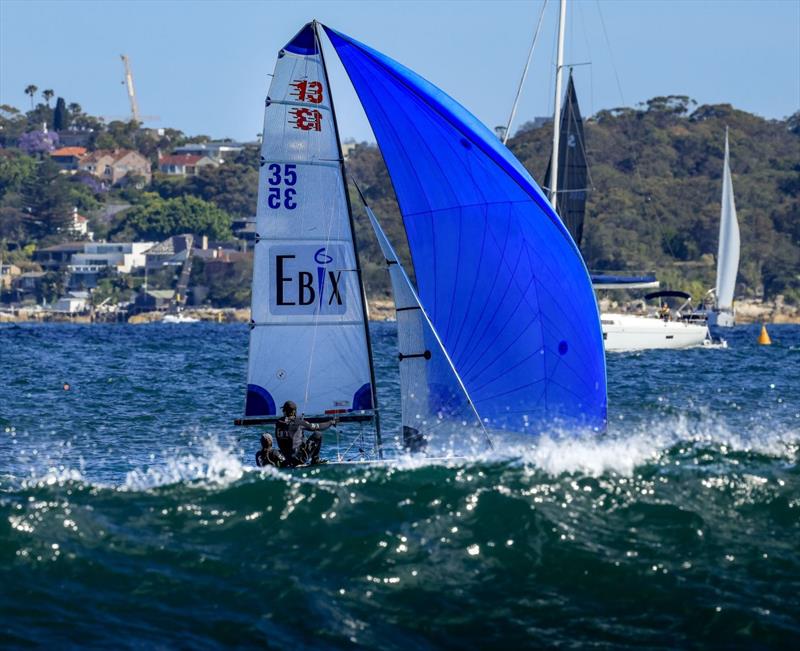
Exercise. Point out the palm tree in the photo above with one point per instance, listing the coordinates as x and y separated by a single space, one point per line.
48 95
74 108
31 90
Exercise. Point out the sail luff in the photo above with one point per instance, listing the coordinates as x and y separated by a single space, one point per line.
728 252
364 307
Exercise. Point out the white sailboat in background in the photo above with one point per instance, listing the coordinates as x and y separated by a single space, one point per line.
723 314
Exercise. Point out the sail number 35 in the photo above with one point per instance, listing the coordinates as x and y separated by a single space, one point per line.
281 180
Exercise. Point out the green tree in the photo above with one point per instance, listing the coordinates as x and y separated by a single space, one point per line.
60 115
48 95
46 201
31 89
12 125
157 219
15 170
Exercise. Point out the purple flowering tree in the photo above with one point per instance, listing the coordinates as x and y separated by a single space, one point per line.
38 142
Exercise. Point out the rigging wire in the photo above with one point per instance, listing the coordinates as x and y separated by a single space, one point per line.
524 75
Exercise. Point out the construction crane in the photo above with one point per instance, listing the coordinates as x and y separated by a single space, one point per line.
129 86
128 82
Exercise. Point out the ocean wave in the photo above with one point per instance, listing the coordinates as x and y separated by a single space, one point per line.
212 462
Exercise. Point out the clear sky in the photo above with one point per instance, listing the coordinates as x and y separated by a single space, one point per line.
203 66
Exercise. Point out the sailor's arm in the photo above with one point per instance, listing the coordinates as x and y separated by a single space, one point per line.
317 427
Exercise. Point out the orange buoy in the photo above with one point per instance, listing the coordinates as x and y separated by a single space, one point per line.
763 338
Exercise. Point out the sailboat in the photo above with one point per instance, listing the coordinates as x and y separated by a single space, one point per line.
500 336
722 314
566 182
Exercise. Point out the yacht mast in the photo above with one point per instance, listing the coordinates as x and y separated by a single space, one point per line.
562 15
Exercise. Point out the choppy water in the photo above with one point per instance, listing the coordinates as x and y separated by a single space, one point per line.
130 516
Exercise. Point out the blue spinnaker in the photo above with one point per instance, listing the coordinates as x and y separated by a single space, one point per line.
497 271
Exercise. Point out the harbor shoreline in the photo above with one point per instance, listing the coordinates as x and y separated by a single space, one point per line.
381 309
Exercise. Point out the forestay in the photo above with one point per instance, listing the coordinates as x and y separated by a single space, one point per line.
437 414
308 338
728 254
496 270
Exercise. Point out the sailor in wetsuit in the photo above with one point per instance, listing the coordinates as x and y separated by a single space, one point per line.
295 447
267 455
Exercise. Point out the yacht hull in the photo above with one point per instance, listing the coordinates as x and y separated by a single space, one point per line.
626 332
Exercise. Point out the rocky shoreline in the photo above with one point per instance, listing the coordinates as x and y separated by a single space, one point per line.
381 309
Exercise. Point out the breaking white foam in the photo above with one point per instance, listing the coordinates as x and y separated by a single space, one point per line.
207 462
621 451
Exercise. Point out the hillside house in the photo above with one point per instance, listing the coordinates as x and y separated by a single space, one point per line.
185 164
112 166
218 151
53 258
153 300
80 225
7 274
99 258
68 158
171 252
26 286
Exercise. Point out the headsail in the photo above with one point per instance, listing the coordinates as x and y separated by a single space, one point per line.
436 411
497 271
572 167
308 339
728 253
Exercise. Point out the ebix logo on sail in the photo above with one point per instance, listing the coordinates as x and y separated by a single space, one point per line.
307 279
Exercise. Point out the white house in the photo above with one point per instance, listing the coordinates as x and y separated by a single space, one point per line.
98 257
80 225
219 151
75 303
185 164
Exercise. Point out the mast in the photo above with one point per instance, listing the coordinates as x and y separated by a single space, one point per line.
373 386
562 14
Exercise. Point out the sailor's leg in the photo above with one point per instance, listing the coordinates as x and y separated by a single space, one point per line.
313 445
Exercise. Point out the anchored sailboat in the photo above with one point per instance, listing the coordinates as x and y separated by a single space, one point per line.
723 314
506 314
567 184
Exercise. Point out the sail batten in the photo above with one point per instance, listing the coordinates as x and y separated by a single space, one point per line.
497 271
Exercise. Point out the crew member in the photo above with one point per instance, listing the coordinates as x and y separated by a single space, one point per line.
292 443
269 456
664 312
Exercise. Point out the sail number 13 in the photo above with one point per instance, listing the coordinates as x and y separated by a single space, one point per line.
281 180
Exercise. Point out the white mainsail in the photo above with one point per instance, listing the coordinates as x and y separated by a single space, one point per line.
308 338
436 411
728 253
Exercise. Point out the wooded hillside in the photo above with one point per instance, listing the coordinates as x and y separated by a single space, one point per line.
656 179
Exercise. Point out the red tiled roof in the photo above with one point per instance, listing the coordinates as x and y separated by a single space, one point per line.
69 151
180 159
116 154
